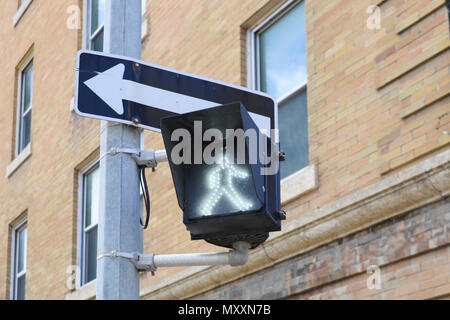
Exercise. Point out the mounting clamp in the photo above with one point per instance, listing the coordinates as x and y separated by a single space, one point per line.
149 158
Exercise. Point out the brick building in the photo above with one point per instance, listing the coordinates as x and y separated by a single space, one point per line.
363 90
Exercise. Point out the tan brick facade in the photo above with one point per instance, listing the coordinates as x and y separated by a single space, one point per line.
378 103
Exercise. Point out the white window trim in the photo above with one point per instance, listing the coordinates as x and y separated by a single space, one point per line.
80 223
18 161
144 29
85 23
14 275
95 34
87 292
299 183
21 11
305 179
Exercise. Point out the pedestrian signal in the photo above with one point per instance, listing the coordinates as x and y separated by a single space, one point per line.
226 175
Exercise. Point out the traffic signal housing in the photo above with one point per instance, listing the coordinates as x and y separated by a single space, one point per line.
235 198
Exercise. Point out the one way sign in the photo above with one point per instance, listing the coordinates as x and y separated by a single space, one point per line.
120 89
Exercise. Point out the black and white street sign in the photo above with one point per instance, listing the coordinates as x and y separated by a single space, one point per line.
120 89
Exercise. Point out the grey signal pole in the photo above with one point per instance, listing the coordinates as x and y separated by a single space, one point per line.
118 226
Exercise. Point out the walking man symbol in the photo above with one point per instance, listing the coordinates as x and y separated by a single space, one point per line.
220 182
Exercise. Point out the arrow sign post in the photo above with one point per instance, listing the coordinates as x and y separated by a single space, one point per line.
120 89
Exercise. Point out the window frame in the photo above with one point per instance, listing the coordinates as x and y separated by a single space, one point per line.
20 97
253 57
14 257
82 230
88 35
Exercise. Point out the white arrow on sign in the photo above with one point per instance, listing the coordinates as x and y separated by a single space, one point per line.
112 88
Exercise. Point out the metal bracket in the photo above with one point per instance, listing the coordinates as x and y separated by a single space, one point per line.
149 158
146 263
150 262
116 254
134 258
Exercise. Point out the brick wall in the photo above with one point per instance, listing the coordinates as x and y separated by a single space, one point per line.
411 251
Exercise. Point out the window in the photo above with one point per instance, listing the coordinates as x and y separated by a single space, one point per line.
89 223
25 102
95 28
19 261
279 68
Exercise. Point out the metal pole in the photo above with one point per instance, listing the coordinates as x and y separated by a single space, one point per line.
118 227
